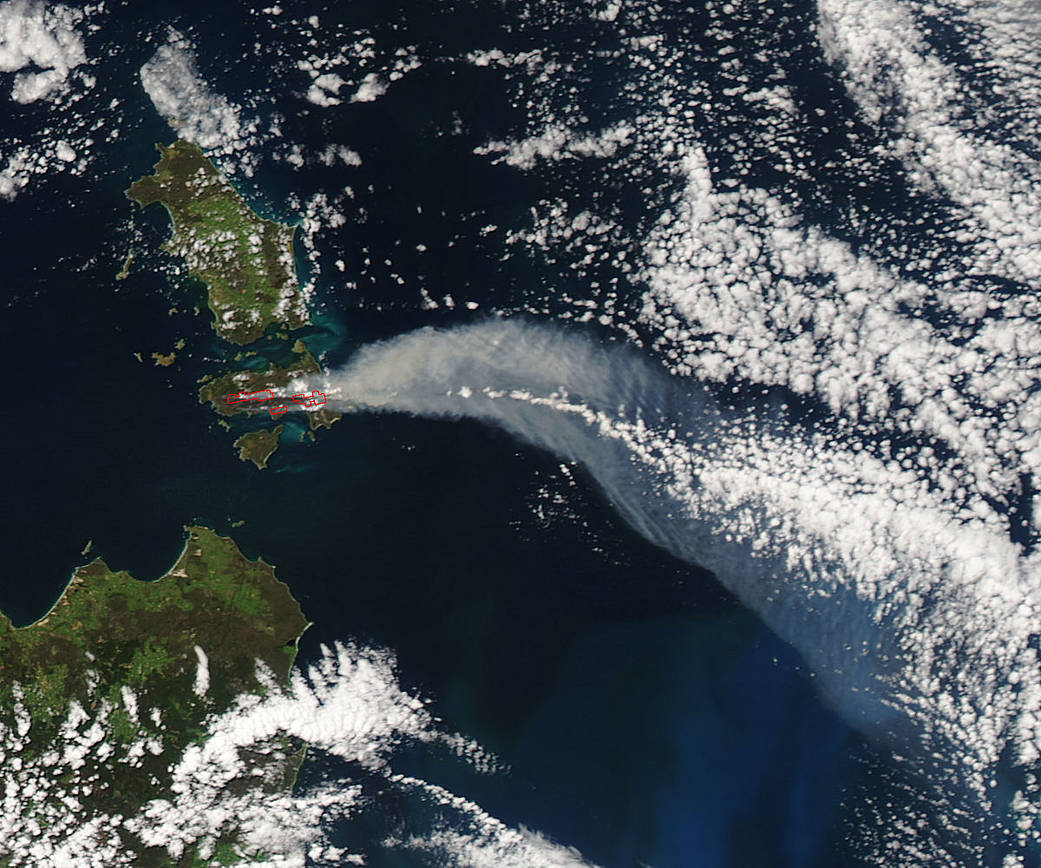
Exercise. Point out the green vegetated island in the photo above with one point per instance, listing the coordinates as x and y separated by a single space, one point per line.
297 362
258 446
245 261
146 662
247 266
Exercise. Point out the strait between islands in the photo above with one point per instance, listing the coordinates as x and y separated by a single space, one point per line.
246 264
101 697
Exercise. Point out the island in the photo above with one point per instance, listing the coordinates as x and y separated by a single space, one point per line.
245 261
275 375
246 264
124 272
258 446
106 692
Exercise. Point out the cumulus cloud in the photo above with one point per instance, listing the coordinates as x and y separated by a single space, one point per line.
372 87
918 621
41 44
896 319
331 153
347 704
20 164
202 672
558 143
325 89
197 112
738 282
491 847
331 73
900 82
741 284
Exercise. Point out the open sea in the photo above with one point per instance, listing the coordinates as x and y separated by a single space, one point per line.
640 712
646 717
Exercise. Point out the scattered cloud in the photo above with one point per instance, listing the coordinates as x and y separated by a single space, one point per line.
42 45
878 270
333 72
558 143
325 89
347 704
197 112
372 87
333 153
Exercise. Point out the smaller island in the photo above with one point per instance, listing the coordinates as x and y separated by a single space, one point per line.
245 261
124 272
258 446
275 376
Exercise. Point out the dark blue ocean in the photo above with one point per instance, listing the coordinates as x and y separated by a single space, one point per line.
645 717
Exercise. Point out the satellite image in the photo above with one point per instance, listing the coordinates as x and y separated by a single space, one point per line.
521 433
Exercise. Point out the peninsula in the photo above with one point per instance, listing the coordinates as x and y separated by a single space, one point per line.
128 671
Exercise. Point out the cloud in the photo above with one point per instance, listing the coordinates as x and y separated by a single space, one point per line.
334 70
325 89
42 45
331 153
198 113
36 36
493 848
348 704
900 83
202 673
558 143
918 620
372 87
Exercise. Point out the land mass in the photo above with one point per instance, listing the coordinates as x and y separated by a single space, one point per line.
247 266
274 376
133 669
245 261
258 446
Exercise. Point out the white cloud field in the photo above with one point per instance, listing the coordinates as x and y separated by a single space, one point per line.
826 385
347 705
44 62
